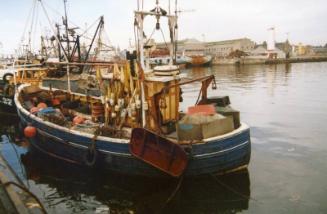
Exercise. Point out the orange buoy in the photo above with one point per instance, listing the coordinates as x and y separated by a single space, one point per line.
30 131
55 102
78 120
33 110
42 105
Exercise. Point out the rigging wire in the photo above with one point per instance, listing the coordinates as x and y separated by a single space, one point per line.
85 31
163 36
92 25
104 44
107 36
232 189
71 22
53 31
154 29
26 23
35 26
31 27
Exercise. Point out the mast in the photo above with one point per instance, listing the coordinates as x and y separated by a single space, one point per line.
157 13
100 25
59 43
43 48
65 21
175 34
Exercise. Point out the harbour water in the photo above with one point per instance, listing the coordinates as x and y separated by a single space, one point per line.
286 108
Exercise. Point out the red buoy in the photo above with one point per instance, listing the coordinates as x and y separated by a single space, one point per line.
42 105
78 120
30 131
55 102
33 110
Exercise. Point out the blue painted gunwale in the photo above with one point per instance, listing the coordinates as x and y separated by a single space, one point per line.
215 155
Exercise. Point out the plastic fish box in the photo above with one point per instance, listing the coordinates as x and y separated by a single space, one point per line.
221 101
229 111
199 127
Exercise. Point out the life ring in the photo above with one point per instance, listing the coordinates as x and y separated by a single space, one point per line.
90 156
7 77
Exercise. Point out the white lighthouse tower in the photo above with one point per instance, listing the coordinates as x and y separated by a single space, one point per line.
271 39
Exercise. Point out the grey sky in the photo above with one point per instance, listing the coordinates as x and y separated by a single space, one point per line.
215 19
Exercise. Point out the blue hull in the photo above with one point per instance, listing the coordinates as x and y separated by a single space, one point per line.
216 156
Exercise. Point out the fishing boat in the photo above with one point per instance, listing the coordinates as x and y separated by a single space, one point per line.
198 60
135 126
15 75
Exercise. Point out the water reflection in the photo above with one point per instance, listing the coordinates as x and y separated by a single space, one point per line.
66 187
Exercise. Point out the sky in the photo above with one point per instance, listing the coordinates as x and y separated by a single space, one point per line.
206 20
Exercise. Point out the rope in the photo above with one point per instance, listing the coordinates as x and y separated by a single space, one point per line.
27 191
233 190
175 190
172 195
198 99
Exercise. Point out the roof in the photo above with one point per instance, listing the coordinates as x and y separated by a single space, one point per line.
262 49
228 41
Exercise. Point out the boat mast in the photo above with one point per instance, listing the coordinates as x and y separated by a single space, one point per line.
100 26
58 40
157 12
175 34
65 21
139 16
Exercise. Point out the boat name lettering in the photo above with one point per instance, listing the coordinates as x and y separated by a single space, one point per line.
6 101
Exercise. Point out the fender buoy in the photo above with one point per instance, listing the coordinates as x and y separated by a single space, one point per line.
30 131
78 120
34 110
55 102
42 105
